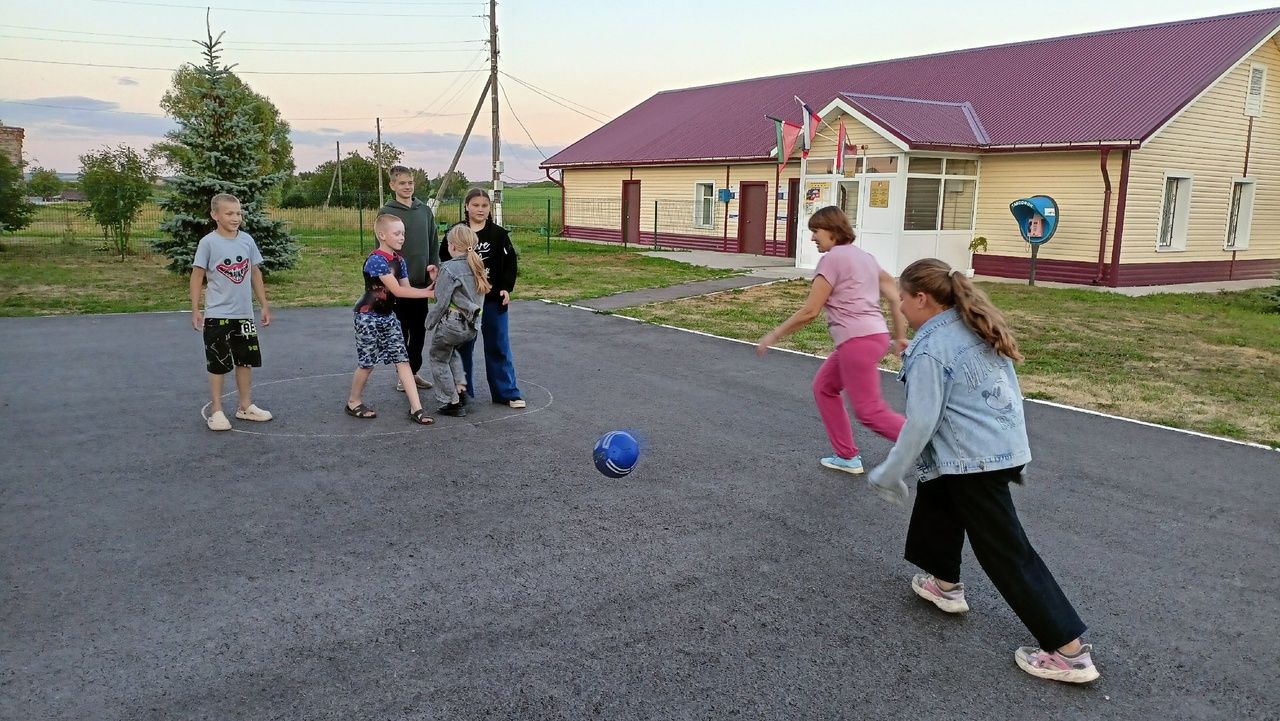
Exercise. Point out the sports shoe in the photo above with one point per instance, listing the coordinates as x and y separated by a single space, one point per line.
457 410
1057 666
848 465
253 413
218 422
926 587
516 403
421 382
399 386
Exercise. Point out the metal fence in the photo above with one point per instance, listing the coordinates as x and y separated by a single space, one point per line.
63 229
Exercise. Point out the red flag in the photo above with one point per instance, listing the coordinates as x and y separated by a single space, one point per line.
788 134
841 141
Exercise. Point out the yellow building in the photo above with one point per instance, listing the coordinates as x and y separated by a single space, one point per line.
1160 145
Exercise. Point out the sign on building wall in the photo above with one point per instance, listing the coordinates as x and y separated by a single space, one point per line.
817 194
879 191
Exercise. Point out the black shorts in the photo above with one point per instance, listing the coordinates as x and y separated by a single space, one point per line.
231 342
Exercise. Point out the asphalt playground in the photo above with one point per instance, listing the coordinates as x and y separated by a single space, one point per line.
324 567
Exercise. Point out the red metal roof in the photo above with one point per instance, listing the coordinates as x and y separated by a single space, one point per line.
922 121
1110 86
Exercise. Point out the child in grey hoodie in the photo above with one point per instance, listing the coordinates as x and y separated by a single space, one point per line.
459 290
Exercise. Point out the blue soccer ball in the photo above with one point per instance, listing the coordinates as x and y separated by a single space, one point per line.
616 453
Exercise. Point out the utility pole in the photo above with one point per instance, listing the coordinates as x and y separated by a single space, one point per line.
493 95
379 161
448 174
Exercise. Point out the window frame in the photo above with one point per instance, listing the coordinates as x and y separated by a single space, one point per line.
1244 216
1252 109
697 204
944 178
1182 213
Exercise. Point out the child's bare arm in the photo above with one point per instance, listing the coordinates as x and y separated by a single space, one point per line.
260 290
197 282
401 288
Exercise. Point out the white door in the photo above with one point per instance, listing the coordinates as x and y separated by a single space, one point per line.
880 218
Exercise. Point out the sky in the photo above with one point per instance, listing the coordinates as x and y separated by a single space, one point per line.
333 66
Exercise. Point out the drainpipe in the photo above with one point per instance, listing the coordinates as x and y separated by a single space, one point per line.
563 219
1106 216
724 244
1113 276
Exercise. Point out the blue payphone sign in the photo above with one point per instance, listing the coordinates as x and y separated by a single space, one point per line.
1037 218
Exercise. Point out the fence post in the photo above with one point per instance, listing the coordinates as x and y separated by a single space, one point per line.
360 220
548 226
655 225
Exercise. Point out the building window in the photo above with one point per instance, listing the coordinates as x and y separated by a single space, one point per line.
849 199
883 164
941 193
1239 214
704 203
1257 86
1175 209
958 198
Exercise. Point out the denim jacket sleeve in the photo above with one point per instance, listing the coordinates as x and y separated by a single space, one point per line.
445 285
926 398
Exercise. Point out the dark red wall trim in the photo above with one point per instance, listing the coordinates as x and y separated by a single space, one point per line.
1129 274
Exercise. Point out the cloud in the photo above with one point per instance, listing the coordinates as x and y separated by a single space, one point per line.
79 116
126 81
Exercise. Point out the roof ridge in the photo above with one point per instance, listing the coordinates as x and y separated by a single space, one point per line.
944 53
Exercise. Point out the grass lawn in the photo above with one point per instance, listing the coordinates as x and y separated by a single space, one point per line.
1207 362
327 274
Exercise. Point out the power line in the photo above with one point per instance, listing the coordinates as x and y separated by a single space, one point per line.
512 110
161 115
557 102
531 86
245 72
239 50
233 43
274 12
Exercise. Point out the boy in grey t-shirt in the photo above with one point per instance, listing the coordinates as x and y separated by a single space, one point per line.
230 260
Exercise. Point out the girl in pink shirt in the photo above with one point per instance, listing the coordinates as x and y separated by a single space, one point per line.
848 284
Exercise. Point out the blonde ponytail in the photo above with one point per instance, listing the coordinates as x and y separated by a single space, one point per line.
951 289
462 238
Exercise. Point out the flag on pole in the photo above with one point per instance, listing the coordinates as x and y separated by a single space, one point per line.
811 121
787 135
841 141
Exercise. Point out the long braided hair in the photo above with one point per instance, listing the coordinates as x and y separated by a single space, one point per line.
463 239
951 289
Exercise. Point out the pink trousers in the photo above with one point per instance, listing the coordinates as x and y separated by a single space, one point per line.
853 368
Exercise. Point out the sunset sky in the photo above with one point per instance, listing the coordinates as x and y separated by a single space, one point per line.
421 64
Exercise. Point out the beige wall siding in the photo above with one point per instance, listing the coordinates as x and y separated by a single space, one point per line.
1074 180
824 145
1208 139
593 197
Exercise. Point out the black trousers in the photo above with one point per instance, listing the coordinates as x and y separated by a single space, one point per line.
412 313
979 505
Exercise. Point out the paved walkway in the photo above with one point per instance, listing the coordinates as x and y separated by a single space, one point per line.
758 270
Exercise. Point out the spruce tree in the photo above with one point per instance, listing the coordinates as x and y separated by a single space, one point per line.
222 140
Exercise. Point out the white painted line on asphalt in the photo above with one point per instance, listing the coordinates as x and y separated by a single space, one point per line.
1063 406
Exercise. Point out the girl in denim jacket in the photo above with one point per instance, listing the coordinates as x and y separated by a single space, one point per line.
452 322
965 440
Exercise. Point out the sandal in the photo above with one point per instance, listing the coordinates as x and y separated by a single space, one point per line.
421 418
360 411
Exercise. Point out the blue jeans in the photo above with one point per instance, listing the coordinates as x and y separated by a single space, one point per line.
499 367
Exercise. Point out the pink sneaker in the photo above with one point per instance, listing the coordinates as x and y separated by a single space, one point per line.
926 587
1057 666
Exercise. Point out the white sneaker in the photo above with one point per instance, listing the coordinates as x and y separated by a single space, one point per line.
421 382
399 386
218 422
253 413
516 403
